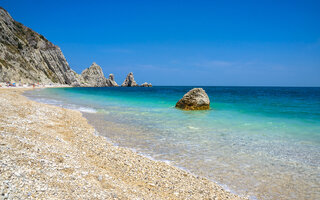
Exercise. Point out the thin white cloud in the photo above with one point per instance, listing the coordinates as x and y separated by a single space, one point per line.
155 67
214 63
117 50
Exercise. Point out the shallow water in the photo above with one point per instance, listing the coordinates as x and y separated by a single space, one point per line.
258 141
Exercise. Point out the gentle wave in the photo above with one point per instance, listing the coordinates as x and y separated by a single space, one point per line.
64 104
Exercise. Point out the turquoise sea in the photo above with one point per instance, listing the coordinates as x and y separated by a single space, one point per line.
258 141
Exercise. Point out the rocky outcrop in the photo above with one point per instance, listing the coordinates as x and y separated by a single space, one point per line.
129 81
195 99
111 82
145 84
28 57
93 76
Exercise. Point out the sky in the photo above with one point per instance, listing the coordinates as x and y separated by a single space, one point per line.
194 43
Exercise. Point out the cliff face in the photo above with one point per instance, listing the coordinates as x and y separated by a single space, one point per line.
28 57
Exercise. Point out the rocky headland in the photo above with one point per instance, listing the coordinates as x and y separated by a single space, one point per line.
27 57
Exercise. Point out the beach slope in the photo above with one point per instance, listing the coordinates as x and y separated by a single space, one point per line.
48 152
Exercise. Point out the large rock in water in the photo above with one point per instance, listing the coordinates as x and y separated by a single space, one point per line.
195 99
111 82
93 76
129 81
28 57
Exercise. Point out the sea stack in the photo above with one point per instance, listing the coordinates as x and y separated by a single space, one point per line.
111 82
129 81
93 76
145 84
195 99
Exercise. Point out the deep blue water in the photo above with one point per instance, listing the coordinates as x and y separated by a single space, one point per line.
258 141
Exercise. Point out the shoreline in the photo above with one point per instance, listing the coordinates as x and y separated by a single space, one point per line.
53 152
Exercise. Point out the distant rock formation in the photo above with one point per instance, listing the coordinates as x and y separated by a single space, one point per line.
195 99
111 82
145 84
129 81
28 57
93 76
